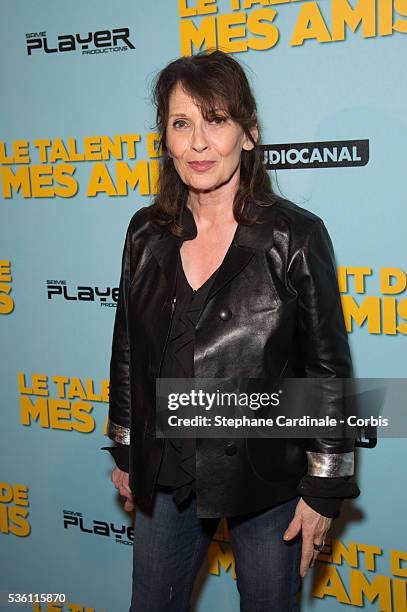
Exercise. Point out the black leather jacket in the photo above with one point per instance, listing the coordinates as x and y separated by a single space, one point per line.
279 287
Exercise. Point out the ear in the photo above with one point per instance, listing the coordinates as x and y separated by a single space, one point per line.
247 144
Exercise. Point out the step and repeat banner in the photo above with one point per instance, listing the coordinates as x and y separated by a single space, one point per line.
78 156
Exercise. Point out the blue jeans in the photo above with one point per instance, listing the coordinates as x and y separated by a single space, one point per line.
170 545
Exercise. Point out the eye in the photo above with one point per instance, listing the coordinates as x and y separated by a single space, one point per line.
178 122
218 119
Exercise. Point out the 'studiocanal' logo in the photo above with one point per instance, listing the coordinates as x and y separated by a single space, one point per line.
330 154
91 43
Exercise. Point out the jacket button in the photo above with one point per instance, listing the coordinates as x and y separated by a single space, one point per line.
231 448
225 313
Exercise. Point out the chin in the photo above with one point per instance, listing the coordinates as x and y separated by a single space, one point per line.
202 185
204 188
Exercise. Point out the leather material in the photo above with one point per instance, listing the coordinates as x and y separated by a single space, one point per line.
274 309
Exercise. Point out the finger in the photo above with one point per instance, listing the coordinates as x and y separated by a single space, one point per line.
125 485
306 560
293 529
120 479
125 492
129 505
116 477
307 551
117 483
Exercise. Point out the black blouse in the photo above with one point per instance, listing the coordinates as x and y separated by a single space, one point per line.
177 469
178 464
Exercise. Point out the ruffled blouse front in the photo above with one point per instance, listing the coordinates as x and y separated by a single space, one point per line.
178 464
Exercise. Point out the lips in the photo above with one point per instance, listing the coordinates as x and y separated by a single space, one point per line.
201 166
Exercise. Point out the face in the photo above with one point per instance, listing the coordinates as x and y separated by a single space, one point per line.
206 154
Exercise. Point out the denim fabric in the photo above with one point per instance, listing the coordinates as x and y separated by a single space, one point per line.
171 543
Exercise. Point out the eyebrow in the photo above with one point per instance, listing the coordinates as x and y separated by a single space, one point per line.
216 110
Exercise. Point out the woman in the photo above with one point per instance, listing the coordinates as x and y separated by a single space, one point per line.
222 278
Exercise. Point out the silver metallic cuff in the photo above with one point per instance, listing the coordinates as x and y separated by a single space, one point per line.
330 464
118 433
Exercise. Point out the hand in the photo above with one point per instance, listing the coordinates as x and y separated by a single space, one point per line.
314 528
120 480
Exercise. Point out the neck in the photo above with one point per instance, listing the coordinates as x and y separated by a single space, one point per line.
214 206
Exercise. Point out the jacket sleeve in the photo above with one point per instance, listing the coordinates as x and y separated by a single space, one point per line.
325 353
118 427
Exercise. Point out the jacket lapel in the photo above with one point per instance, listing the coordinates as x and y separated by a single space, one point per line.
166 248
235 260
242 249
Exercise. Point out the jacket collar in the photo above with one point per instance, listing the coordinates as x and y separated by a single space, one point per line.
244 244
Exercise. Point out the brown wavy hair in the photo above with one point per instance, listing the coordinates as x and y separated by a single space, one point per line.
209 77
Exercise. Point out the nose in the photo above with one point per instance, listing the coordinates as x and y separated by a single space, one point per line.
198 139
